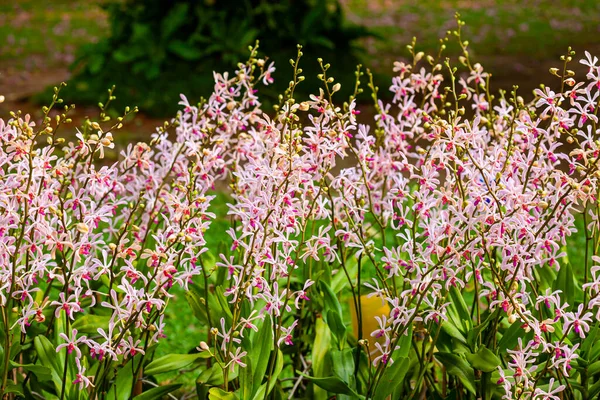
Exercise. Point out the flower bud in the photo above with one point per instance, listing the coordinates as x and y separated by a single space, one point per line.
82 228
586 189
204 346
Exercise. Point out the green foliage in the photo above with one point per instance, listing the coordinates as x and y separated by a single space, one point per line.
157 49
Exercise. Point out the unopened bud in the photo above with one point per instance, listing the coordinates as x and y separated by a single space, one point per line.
82 228
586 189
204 346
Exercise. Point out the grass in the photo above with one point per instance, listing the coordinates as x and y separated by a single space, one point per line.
525 31
41 34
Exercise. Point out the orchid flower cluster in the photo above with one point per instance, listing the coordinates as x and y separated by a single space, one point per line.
452 210
422 209
91 251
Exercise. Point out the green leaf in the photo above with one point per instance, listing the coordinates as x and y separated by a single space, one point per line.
184 50
329 298
157 393
14 389
174 20
195 300
593 368
565 283
474 333
450 328
220 394
594 353
322 41
484 360
332 384
95 63
589 340
545 275
127 54
320 352
42 373
334 320
458 303
121 387
343 365
46 353
340 281
404 343
173 362
223 304
393 376
60 325
90 323
246 380
594 390
259 354
213 376
510 337
321 347
460 368
260 393
276 371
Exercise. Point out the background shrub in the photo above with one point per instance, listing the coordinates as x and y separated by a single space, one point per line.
157 49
